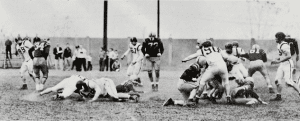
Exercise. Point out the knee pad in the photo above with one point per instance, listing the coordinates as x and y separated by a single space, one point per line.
150 73
276 82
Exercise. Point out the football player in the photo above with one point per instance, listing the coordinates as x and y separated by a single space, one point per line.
23 47
187 84
128 86
237 67
103 87
216 66
153 49
257 57
137 58
41 51
244 93
285 68
64 88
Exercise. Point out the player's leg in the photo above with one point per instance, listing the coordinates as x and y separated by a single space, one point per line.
136 71
225 81
243 70
22 72
278 83
110 88
263 70
57 87
44 69
288 76
149 68
207 75
245 101
252 68
29 65
157 71
130 70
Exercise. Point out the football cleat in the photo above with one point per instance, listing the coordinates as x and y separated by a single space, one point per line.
135 97
271 90
153 87
57 97
168 102
213 100
191 103
277 98
24 87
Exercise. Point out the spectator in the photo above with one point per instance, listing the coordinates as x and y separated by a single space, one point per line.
36 38
112 57
81 61
89 61
57 51
102 56
67 56
116 65
8 44
74 58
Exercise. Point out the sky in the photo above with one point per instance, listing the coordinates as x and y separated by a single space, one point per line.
220 19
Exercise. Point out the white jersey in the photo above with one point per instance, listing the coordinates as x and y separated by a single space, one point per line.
212 54
23 48
135 50
230 57
283 48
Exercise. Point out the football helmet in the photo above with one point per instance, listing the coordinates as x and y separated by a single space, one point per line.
228 45
235 43
280 35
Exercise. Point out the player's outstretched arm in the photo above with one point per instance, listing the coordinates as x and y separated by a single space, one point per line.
161 47
93 85
190 57
30 52
125 54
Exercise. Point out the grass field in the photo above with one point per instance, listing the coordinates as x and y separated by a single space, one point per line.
14 107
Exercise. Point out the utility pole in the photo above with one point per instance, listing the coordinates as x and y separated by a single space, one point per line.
105 26
158 12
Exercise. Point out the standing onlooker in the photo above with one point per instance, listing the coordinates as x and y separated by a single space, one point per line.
57 51
102 56
8 44
152 49
67 56
89 61
36 38
112 57
74 57
81 61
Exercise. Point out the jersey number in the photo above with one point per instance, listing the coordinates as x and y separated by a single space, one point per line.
209 50
39 46
22 49
133 50
153 44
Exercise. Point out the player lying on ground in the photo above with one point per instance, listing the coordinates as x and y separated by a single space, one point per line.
103 87
86 88
244 93
128 86
188 84
216 66
257 57
134 67
23 47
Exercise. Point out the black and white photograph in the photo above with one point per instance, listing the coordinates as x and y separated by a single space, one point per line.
149 60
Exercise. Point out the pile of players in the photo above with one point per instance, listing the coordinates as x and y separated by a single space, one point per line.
209 76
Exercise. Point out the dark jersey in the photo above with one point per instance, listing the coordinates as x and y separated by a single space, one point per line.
293 45
41 49
255 54
246 91
152 47
192 72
